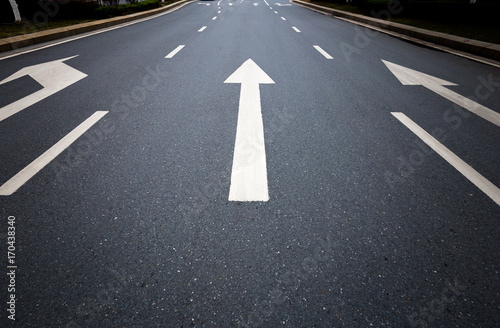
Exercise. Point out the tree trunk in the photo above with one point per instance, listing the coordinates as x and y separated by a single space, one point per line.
15 10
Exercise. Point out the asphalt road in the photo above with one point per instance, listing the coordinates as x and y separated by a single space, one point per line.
131 224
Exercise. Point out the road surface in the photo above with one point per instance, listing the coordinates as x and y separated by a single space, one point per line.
248 164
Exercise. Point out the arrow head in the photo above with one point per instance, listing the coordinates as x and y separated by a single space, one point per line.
249 72
36 70
411 77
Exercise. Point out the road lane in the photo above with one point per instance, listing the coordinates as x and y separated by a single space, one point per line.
365 225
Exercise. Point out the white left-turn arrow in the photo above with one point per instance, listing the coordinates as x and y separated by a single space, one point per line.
53 76
411 77
249 173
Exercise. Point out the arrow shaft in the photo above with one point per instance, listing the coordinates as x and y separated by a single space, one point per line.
249 173
466 103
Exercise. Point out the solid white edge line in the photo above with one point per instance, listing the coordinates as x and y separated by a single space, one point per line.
202 29
11 186
296 29
84 35
467 171
324 53
175 51
266 2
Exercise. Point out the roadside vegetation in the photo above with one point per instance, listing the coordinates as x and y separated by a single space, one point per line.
48 14
476 19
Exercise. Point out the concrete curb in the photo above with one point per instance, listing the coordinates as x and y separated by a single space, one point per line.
25 40
475 47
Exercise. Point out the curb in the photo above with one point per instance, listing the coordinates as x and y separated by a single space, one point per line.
475 47
20 41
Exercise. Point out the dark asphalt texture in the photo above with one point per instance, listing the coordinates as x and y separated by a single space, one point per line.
131 226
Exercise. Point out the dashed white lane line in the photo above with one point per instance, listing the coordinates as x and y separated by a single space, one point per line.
271 8
275 12
215 17
202 29
175 51
219 12
296 29
472 175
324 53
283 18
10 187
255 4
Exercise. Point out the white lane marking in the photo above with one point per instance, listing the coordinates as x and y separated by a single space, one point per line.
271 8
9 187
175 51
275 12
218 3
266 2
230 4
219 12
296 29
202 29
472 175
249 172
53 76
409 76
282 5
324 53
215 17
201 3
96 32
283 18
255 4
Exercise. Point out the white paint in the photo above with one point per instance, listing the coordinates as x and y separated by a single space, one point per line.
296 29
472 175
218 3
324 53
96 32
411 77
175 51
53 76
266 2
11 186
230 4
202 3
271 8
219 12
215 17
282 4
202 29
275 12
249 173
283 18
255 4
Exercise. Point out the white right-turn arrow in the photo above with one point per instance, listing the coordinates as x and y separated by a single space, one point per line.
411 77
249 173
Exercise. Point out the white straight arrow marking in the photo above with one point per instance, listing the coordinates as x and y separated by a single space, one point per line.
249 173
472 175
53 76
411 77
